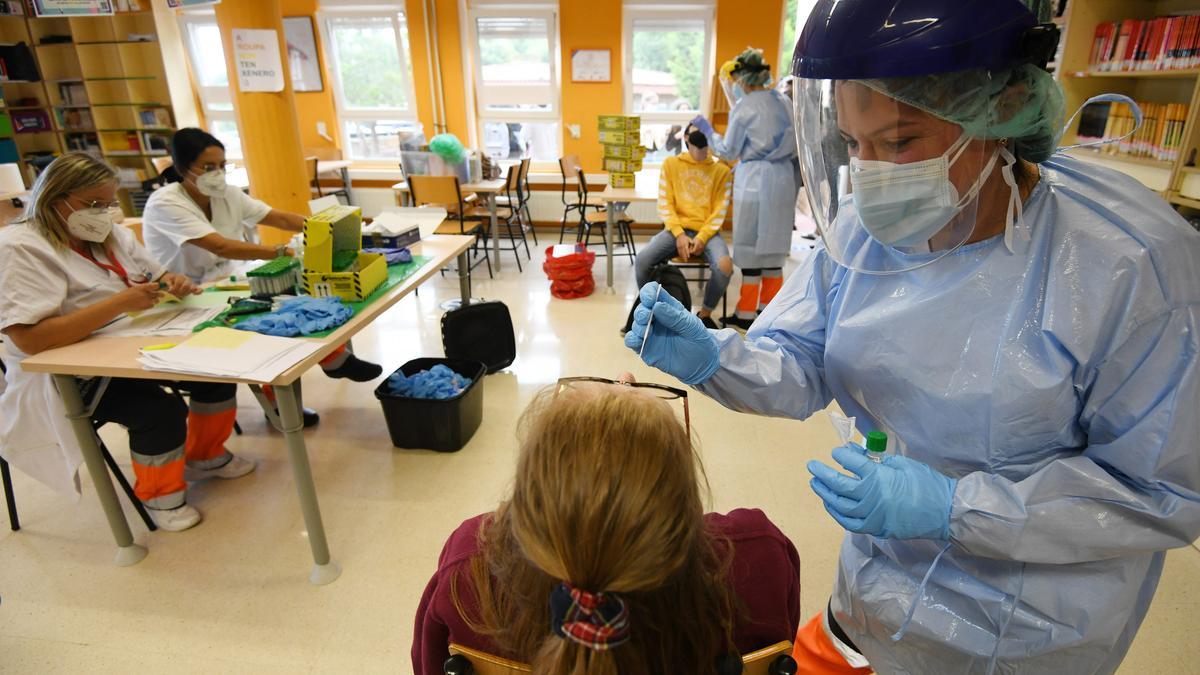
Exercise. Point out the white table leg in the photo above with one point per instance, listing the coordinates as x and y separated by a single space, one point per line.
128 553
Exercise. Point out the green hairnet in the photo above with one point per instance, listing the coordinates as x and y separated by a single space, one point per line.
752 70
448 147
1023 104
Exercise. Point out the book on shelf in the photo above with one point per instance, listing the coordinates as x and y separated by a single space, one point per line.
84 143
156 142
1159 138
158 118
123 144
30 121
1163 43
12 8
72 93
130 178
74 119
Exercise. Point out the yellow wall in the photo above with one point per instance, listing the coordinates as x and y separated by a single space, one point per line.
450 55
591 25
738 28
315 106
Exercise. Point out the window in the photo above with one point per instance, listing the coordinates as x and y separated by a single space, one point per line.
207 56
795 14
667 78
368 54
516 83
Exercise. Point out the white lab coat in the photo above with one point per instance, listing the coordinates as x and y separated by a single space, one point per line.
172 219
37 282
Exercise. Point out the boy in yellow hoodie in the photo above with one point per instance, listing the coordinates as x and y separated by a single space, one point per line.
693 198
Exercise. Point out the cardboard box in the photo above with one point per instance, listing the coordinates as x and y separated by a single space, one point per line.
339 228
620 137
622 180
622 165
380 240
620 123
624 152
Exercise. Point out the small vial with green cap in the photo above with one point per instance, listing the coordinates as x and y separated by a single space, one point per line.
876 446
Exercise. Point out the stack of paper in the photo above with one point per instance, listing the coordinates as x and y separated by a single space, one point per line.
395 220
177 318
225 352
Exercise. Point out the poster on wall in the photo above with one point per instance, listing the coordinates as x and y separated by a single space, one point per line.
176 4
72 7
258 64
302 53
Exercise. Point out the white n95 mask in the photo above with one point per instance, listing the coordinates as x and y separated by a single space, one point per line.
907 204
211 183
93 225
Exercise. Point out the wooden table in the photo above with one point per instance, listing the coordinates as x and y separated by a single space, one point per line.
488 189
117 357
645 190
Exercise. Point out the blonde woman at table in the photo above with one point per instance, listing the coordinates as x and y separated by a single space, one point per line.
66 271
200 226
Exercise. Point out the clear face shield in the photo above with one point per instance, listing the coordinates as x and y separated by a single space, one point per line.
892 187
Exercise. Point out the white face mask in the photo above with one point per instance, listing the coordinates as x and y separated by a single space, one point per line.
211 183
93 224
907 204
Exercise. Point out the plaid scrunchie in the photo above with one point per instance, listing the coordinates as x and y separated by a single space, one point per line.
597 621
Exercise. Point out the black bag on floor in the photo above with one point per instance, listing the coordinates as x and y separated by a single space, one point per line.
480 331
672 281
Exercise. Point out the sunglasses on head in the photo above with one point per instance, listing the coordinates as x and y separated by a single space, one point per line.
658 390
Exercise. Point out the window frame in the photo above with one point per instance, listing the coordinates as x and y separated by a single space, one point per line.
668 12
483 116
328 47
209 95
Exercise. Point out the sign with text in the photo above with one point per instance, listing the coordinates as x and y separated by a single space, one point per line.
72 7
259 66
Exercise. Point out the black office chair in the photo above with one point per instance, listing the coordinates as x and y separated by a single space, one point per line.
14 520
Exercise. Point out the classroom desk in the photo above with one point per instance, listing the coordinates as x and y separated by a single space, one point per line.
645 190
117 357
240 178
488 189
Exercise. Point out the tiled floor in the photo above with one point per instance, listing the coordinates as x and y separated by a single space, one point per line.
232 595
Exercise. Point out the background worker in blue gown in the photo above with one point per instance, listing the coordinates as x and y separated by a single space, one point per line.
1023 325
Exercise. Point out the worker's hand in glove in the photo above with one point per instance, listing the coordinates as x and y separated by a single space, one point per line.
679 344
702 125
900 498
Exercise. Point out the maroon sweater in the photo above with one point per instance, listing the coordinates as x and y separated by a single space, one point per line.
765 576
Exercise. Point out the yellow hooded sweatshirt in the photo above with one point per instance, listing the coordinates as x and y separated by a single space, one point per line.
694 195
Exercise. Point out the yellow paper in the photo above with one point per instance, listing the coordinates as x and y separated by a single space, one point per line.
220 338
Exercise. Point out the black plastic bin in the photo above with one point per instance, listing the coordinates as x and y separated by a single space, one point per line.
444 425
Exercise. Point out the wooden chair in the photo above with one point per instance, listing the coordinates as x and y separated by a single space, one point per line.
14 521
161 164
773 660
312 165
525 194
700 266
446 192
569 166
623 234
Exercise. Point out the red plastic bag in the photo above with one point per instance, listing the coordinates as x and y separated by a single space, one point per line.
570 275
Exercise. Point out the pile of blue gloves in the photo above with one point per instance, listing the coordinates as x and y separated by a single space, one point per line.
299 316
393 256
438 383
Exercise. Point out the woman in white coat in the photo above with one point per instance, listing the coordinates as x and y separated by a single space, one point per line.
65 272
201 227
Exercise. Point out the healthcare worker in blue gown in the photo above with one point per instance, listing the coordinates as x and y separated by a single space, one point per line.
1023 325
761 139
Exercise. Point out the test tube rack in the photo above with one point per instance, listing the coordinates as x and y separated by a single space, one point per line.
276 277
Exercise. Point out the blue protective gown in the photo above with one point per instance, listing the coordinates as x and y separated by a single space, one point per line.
1058 382
762 139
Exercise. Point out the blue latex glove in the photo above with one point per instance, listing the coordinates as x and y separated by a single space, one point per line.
900 498
679 343
702 125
